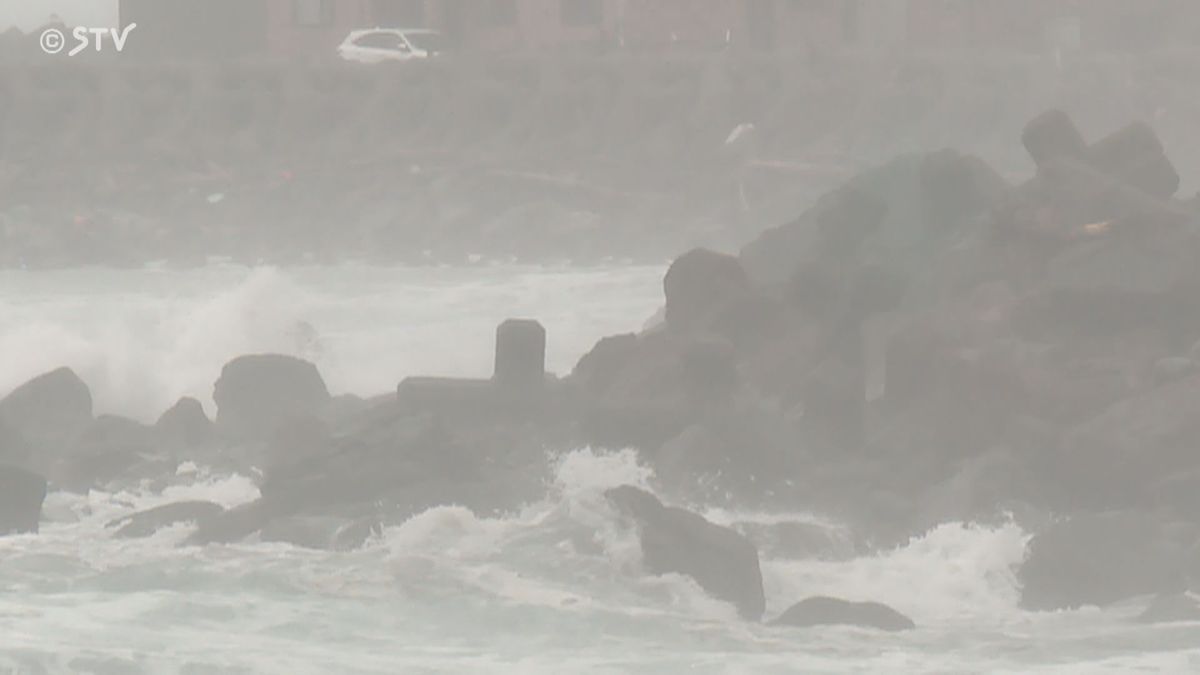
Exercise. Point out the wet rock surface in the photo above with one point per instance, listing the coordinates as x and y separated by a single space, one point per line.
720 559
825 611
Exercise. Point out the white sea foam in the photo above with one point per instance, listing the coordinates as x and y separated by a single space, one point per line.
553 587
143 338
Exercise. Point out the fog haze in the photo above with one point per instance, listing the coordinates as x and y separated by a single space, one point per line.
614 336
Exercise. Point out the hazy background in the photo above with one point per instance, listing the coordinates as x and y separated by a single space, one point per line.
29 14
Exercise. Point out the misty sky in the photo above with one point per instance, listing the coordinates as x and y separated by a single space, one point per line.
28 14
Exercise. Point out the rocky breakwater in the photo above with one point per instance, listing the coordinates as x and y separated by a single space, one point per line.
928 343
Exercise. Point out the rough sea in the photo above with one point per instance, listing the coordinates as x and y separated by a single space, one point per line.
554 587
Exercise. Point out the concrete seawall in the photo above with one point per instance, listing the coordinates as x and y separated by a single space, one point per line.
534 158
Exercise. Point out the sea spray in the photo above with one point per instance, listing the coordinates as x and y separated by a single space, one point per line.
555 586
142 338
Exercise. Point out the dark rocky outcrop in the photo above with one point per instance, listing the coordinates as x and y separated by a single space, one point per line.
825 611
1053 135
723 562
21 495
256 394
698 285
146 523
1102 558
599 368
185 425
231 525
50 408
1120 455
1134 154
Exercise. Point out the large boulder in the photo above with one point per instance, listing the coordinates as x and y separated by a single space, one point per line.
21 495
599 368
908 211
256 394
1099 559
1135 155
231 525
1053 135
825 611
723 562
185 425
698 285
839 220
50 408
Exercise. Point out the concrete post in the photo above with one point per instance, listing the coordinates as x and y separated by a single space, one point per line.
520 354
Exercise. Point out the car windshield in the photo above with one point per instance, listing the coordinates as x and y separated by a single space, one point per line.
426 42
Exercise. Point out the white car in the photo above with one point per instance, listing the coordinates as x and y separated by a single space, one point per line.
377 45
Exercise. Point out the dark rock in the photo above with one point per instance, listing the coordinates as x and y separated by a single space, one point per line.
698 285
723 562
146 523
388 456
598 368
1073 195
108 449
741 450
907 213
13 446
1135 155
449 397
51 407
303 438
710 373
231 525
846 218
1171 608
1052 135
1117 456
956 188
345 408
825 611
1099 559
1130 269
256 394
520 355
640 400
186 424
21 495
